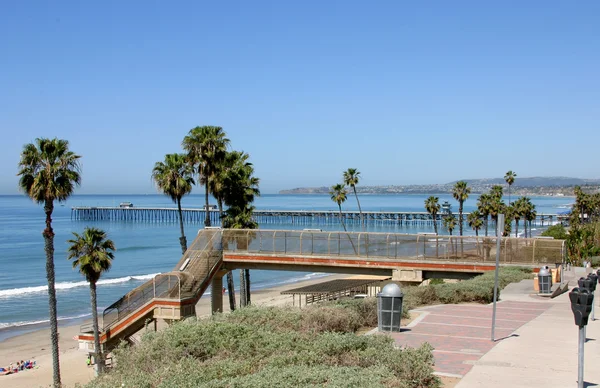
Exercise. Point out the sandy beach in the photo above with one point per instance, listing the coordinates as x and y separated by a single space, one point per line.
36 345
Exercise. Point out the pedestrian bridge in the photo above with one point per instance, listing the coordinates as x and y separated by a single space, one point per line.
173 295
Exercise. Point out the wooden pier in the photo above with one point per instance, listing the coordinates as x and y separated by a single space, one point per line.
308 217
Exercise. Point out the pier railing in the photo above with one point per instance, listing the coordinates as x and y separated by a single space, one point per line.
296 217
164 286
381 246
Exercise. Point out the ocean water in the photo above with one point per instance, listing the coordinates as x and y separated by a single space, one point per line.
145 248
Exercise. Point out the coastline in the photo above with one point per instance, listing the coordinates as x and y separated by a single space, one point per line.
35 344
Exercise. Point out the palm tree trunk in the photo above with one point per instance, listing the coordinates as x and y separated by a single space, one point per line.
509 195
49 248
231 291
477 240
98 357
460 219
516 227
460 227
495 219
362 220
345 230
242 288
182 239
247 278
437 244
207 213
220 203
486 225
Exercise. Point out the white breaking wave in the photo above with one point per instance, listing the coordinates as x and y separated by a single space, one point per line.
5 325
68 285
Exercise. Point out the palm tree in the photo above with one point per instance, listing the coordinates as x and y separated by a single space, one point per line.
496 205
475 222
238 188
519 210
206 147
49 171
449 223
529 214
93 254
509 214
433 207
461 192
483 206
173 177
351 177
338 195
510 179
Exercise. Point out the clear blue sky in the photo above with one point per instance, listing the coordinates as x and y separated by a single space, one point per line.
407 92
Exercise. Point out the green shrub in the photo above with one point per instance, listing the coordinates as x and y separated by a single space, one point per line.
366 309
480 289
232 351
313 346
556 231
331 318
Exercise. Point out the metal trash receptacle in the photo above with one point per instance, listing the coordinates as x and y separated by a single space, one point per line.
545 280
389 308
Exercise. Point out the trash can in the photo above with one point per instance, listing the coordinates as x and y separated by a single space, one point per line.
389 308
545 280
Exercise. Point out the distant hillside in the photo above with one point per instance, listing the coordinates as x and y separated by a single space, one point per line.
522 186
534 182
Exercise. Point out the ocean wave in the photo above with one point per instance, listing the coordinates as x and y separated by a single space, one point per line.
68 285
6 325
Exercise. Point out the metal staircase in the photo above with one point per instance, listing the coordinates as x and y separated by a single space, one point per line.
170 296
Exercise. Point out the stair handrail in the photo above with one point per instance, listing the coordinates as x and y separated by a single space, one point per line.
160 286
157 287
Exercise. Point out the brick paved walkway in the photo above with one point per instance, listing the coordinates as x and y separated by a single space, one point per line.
460 334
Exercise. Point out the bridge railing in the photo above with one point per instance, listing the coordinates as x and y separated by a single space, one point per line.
381 246
161 286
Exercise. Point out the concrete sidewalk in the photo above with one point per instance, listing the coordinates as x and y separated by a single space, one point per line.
542 352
